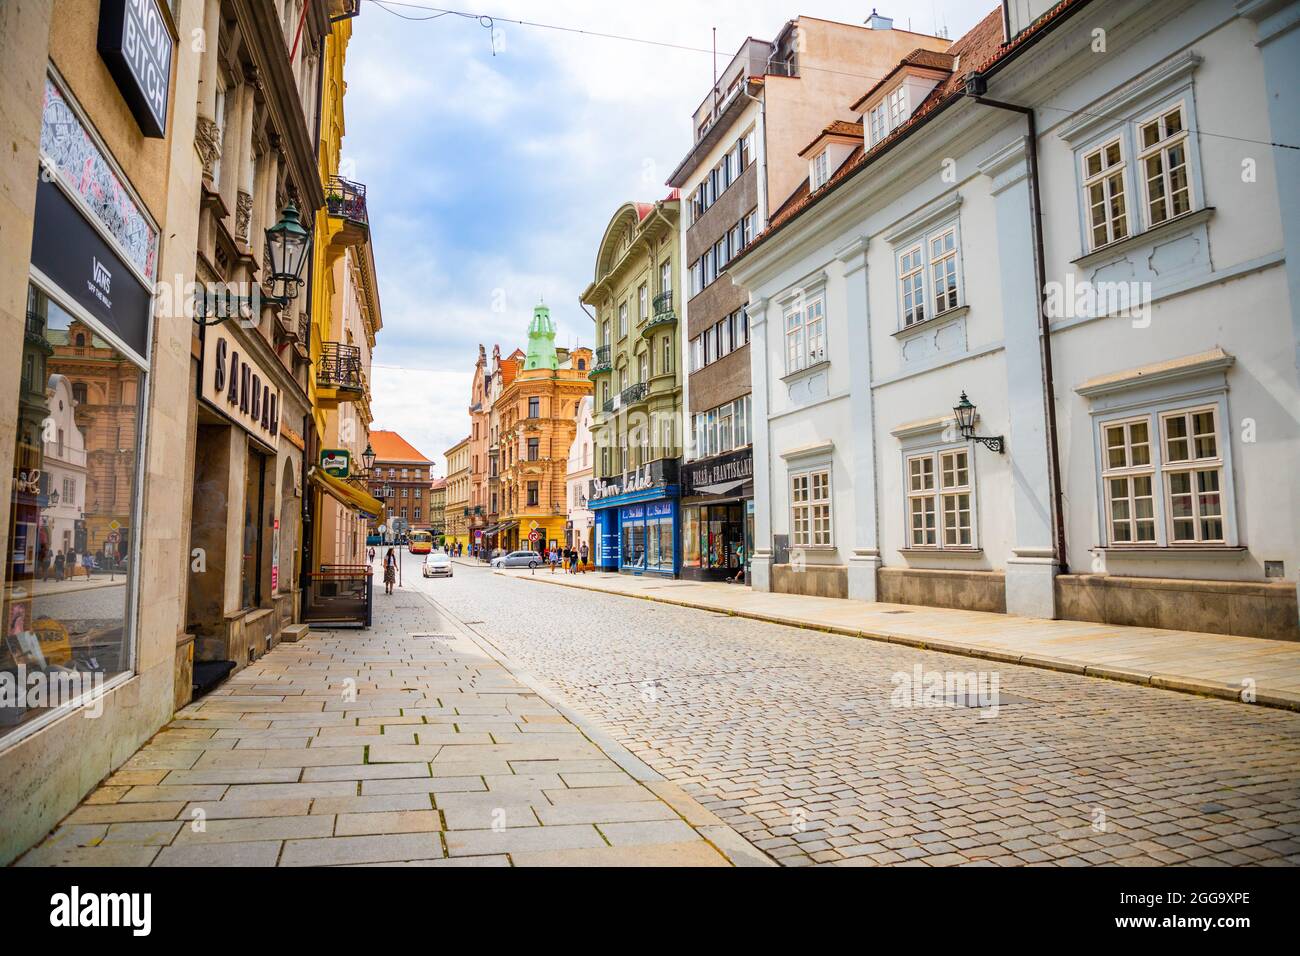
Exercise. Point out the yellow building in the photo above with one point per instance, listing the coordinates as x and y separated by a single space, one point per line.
455 527
538 414
345 319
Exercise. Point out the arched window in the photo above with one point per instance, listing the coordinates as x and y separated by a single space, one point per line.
79 392
81 340
582 365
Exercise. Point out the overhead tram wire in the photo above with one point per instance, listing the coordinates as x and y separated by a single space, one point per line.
489 21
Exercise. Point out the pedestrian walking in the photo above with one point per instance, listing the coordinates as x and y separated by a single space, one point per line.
58 566
554 559
582 557
740 570
390 570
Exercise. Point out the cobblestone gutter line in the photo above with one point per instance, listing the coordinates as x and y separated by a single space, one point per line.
1276 699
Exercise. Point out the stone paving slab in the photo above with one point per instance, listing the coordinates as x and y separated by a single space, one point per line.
1195 662
408 744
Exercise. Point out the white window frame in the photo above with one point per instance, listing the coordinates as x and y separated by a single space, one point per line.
820 170
812 519
916 252
805 333
622 320
941 496
1161 148
1105 177
1130 473
1193 466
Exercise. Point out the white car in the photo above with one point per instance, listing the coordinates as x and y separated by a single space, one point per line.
437 565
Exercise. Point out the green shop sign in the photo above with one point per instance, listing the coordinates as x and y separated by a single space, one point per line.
336 462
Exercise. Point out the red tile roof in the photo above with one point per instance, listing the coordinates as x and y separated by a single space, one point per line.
390 446
837 128
980 49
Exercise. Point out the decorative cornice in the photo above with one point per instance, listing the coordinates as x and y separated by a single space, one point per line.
1114 109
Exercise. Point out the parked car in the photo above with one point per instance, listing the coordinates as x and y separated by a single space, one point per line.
437 565
518 559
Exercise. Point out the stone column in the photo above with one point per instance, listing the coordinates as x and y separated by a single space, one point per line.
865 559
1031 566
207 135
760 569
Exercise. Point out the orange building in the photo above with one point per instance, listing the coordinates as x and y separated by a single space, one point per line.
538 414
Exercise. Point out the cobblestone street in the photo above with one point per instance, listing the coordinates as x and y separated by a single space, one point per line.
793 737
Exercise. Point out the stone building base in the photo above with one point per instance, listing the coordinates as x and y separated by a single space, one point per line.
934 587
1244 608
811 580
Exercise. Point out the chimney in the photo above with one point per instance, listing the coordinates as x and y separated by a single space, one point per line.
877 22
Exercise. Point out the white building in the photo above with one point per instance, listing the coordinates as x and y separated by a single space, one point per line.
1137 477
578 479
64 462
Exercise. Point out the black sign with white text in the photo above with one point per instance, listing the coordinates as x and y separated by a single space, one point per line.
72 254
136 43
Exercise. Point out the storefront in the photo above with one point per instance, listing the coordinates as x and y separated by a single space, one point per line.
73 551
636 520
718 516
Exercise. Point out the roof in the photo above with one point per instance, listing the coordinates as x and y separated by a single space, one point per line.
390 446
438 484
837 128
981 46
919 58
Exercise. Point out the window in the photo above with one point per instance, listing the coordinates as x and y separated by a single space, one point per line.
943 270
697 353
911 279
534 449
896 104
417 514
666 366
534 407
666 277
643 367
820 170
940 499
79 393
740 328
1103 193
1128 477
643 302
805 334
878 124
1193 476
1163 160
810 509
533 494
605 339
622 321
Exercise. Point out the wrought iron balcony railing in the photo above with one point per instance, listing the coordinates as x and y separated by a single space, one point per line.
347 200
340 367
663 302
601 363
634 393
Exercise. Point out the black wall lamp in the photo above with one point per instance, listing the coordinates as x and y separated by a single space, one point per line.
288 241
964 411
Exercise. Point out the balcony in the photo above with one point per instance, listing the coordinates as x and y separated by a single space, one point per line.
602 363
634 393
346 201
663 316
338 375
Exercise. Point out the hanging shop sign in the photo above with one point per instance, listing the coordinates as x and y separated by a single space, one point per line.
336 462
655 475
70 252
236 386
136 42
720 475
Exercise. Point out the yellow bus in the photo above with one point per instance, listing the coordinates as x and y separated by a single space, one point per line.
420 542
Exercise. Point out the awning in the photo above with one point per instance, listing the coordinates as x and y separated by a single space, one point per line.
506 526
347 495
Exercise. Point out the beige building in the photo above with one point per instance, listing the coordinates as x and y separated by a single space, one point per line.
114 212
455 525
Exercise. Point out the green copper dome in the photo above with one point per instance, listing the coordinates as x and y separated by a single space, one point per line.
541 341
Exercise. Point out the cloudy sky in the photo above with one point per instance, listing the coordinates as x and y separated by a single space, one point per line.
491 178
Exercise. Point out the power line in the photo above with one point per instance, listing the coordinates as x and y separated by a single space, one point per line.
489 21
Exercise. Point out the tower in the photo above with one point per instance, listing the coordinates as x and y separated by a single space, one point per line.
541 341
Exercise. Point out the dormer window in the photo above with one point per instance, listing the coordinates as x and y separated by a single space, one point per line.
888 114
820 170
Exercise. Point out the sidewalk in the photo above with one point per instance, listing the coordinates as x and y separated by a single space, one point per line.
1212 664
408 744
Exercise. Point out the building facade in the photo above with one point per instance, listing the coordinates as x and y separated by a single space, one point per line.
742 166
479 460
1089 442
538 412
501 374
637 377
438 506
455 524
101 190
400 480
578 481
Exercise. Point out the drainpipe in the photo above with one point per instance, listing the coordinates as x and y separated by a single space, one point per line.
976 87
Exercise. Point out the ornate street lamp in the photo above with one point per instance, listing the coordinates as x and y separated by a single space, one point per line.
288 241
368 458
964 411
